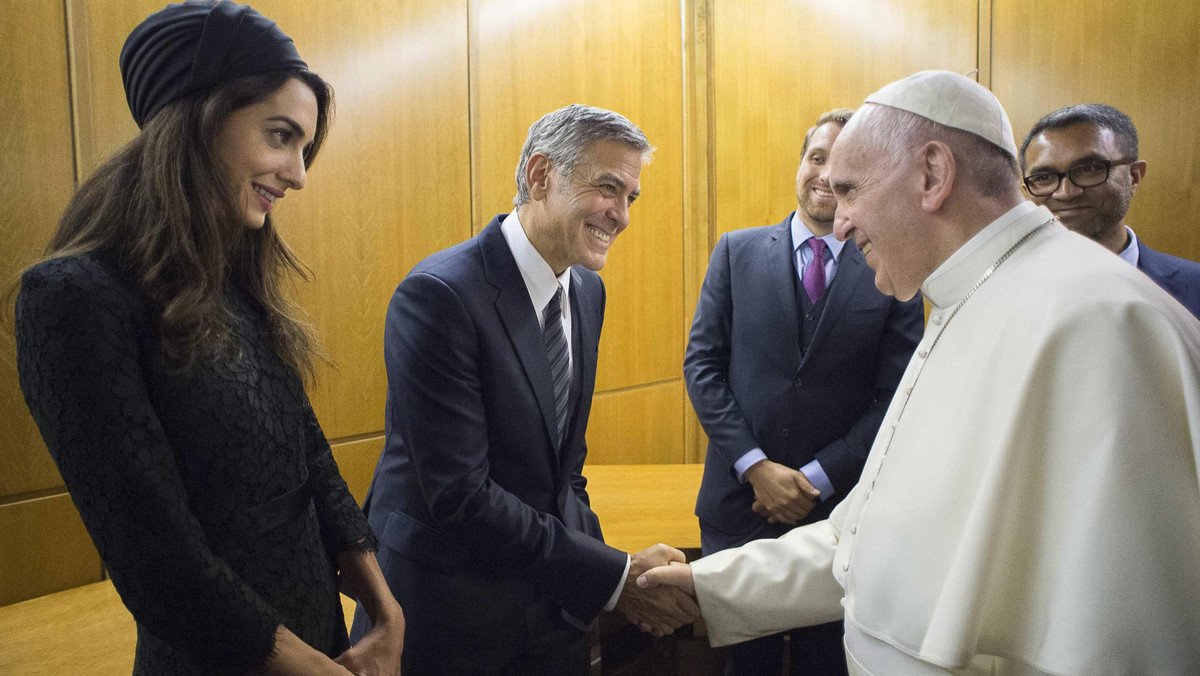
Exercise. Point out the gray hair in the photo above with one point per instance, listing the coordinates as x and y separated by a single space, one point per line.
564 134
984 166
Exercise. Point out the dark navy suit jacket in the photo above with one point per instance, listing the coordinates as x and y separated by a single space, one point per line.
470 479
752 386
1177 276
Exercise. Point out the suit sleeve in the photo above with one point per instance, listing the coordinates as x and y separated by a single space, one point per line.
432 352
78 363
706 364
843 459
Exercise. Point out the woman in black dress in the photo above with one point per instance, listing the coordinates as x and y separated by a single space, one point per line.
163 365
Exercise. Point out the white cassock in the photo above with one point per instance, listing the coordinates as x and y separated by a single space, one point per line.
1031 502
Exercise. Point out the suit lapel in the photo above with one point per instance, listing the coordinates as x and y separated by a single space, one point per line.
850 273
520 323
780 269
584 368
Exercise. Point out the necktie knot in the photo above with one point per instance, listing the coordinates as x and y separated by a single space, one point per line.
818 248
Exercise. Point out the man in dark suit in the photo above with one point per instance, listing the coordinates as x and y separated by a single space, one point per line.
792 360
486 534
1082 163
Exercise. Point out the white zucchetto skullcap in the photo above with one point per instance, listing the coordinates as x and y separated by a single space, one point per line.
953 100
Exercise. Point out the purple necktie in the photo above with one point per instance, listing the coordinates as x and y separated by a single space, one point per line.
814 274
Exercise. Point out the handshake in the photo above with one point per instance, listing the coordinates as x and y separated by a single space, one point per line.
658 595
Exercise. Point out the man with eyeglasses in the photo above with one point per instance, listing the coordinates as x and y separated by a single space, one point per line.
1081 162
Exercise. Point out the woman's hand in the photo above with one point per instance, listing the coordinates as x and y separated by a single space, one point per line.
377 653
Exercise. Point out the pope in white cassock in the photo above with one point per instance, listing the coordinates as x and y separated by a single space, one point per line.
1031 504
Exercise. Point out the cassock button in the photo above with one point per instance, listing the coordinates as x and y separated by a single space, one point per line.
936 319
854 529
922 352
796 382
908 390
845 568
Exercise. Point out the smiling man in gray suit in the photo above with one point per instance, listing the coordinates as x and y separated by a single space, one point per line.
792 360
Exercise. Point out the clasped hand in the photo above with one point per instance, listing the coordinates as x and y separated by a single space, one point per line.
658 610
781 494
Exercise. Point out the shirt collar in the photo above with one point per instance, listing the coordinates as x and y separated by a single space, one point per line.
801 234
540 281
1130 253
953 279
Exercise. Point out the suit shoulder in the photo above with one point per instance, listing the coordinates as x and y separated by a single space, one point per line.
1189 268
746 236
451 262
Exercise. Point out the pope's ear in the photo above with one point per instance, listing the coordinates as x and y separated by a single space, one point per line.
938 172
537 175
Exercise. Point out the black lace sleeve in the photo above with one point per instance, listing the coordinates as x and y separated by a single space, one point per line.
343 526
79 333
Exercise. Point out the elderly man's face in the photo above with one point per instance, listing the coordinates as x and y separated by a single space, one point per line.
587 210
878 202
1095 211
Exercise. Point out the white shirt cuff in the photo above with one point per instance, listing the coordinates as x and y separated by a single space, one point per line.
612 600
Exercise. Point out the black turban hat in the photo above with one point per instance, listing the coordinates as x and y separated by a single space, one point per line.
191 46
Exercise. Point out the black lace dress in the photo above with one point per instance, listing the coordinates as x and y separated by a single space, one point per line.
195 487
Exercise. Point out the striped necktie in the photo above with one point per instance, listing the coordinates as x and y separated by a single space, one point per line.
556 354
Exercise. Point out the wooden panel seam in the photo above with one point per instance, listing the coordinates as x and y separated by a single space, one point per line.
984 44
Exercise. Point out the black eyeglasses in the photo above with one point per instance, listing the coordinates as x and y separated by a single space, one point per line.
1044 183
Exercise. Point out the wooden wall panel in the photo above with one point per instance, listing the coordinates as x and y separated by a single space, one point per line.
356 463
533 57
640 425
391 186
778 64
36 180
44 548
1142 59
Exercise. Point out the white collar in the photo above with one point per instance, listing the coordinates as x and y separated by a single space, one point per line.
540 281
953 279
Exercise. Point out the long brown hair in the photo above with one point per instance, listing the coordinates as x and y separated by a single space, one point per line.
162 207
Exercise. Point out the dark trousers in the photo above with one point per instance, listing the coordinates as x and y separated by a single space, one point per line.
812 651
467 624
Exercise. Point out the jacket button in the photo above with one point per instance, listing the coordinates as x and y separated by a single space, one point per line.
783 431
796 382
